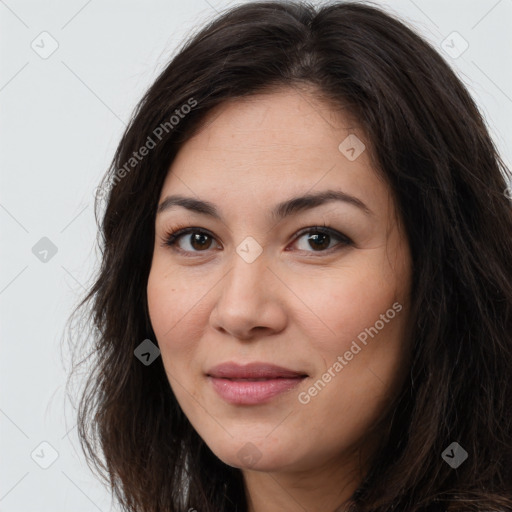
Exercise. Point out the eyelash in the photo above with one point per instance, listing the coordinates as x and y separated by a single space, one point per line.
174 234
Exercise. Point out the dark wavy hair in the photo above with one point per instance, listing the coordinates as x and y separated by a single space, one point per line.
429 141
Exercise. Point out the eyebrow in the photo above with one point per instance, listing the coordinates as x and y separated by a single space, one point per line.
280 211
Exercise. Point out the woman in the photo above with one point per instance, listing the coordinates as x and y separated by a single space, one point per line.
305 297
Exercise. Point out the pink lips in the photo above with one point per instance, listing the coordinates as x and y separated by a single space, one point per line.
253 383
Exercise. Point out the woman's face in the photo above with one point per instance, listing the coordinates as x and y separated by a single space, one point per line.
282 343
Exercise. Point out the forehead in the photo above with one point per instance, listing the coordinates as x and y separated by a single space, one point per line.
272 146
273 121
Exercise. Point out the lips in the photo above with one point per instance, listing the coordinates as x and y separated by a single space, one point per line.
253 371
254 383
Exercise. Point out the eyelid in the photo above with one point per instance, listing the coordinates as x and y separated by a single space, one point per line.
325 230
172 235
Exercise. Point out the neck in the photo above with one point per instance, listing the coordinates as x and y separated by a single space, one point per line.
322 488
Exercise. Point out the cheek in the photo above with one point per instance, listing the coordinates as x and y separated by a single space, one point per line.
175 324
360 370
172 311
347 302
360 317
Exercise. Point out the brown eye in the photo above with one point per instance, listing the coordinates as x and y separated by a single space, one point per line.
197 239
191 241
200 241
319 239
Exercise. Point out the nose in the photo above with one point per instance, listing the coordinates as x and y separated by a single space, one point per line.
250 301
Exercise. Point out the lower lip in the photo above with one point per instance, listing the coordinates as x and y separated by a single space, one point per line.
245 392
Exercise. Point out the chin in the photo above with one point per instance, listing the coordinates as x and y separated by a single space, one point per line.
255 455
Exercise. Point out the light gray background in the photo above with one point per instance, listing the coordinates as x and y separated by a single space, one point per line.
61 119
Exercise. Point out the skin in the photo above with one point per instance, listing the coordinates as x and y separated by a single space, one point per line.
298 304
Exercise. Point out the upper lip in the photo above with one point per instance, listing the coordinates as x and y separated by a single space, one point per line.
256 370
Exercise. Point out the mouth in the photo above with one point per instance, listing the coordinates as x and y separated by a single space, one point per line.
254 383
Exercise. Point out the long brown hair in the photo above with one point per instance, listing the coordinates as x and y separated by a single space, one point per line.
431 144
